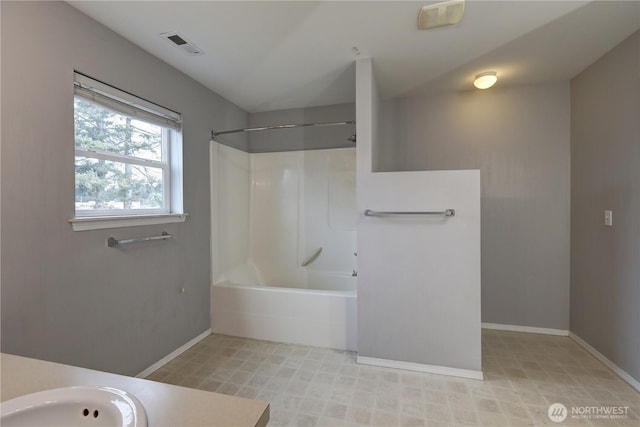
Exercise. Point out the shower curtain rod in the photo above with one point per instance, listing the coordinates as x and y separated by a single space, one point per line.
214 134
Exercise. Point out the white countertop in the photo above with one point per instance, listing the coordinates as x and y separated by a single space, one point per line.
166 405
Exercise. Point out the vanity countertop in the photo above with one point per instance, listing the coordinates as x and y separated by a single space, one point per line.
166 405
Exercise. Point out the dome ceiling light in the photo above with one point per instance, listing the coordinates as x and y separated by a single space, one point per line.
485 80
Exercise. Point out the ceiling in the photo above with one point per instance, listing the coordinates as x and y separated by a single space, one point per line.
271 55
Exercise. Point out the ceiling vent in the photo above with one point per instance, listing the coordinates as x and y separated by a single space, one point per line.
440 14
180 41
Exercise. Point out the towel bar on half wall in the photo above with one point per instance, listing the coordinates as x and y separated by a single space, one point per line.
111 242
446 212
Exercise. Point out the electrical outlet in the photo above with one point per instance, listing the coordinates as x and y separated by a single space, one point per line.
608 218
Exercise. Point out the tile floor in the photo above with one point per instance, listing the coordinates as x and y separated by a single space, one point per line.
307 386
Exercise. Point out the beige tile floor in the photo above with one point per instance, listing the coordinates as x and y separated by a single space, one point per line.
308 386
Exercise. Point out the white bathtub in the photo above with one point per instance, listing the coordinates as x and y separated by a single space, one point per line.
315 317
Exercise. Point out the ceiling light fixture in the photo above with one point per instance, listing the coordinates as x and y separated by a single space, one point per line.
440 14
485 80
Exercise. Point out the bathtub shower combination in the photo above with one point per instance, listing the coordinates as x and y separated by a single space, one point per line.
284 245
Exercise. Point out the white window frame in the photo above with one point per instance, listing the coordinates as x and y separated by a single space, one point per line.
111 98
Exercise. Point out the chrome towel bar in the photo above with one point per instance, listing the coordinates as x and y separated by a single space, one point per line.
446 212
111 242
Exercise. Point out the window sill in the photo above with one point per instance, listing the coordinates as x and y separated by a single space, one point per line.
84 223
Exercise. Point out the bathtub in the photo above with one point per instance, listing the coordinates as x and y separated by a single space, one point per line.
317 317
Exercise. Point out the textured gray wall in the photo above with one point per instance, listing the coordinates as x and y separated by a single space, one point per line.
519 139
66 297
304 138
605 174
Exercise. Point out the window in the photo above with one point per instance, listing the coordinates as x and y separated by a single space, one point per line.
128 157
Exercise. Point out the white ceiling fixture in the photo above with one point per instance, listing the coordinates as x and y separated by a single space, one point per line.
269 55
182 42
485 80
440 14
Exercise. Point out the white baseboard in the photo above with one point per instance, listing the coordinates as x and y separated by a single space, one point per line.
419 367
609 364
527 329
169 357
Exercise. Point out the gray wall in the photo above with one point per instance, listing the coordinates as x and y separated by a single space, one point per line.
605 175
519 139
304 138
66 297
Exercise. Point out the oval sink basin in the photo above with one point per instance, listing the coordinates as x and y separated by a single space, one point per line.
74 406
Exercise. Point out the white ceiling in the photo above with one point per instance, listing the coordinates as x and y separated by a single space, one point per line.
270 55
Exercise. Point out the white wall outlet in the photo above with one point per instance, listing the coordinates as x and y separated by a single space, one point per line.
608 218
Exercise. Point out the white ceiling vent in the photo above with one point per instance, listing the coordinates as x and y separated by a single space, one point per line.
180 41
440 14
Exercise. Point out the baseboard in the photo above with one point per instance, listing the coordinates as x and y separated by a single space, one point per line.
527 329
169 357
608 363
419 367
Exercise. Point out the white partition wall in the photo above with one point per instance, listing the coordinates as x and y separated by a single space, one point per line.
418 278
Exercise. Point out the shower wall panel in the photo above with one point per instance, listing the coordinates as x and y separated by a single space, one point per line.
302 201
274 210
230 237
274 216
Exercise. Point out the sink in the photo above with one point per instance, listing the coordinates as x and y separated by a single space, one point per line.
74 406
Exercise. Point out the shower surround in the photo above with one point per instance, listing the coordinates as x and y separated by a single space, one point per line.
274 212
